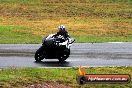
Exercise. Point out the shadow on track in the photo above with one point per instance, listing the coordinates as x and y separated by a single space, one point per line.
53 64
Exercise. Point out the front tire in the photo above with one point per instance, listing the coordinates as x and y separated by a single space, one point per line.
65 55
40 54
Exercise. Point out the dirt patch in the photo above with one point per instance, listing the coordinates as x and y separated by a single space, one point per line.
47 84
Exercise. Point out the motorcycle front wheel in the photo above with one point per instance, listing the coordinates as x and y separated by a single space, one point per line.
40 54
65 55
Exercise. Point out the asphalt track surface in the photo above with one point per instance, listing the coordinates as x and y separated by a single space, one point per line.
82 54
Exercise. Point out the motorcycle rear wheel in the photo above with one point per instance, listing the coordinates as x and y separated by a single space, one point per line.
40 54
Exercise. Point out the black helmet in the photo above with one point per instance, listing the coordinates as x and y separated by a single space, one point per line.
61 28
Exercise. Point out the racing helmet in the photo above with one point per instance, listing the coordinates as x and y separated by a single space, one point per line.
61 28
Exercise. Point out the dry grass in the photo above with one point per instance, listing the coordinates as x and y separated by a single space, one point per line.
89 26
92 18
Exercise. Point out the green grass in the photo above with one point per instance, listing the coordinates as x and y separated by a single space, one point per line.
86 20
20 1
11 34
67 1
16 77
101 39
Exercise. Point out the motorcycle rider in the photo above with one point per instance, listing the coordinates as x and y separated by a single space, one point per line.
62 32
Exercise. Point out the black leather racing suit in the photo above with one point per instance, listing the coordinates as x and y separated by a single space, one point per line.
63 33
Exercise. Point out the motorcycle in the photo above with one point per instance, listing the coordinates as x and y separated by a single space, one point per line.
54 47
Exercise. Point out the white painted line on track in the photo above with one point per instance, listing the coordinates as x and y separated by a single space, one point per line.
117 42
81 66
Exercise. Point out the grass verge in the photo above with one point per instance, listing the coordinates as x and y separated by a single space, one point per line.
86 20
18 77
11 34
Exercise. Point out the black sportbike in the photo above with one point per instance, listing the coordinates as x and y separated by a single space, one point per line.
54 48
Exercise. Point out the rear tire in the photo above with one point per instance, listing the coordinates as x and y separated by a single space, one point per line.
40 54
65 55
